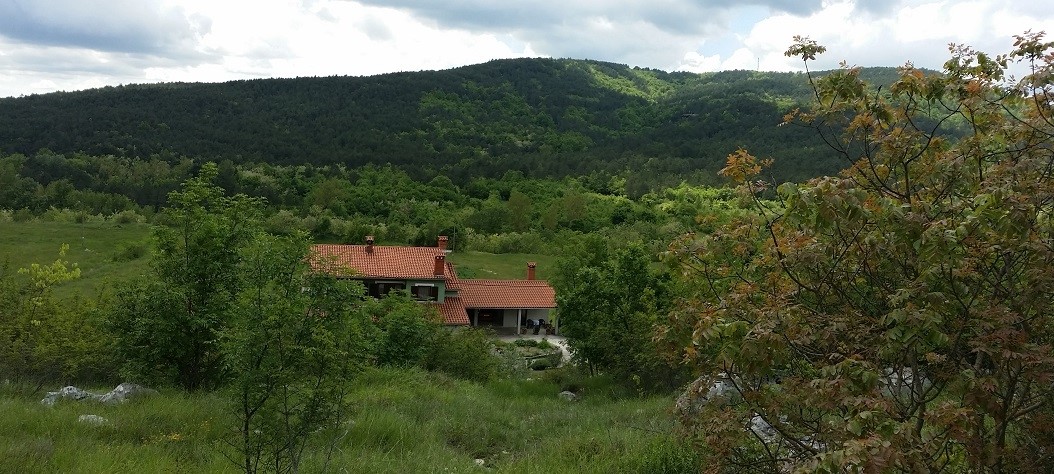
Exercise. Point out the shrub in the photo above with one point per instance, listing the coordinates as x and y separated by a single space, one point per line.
127 217
22 215
129 251
465 354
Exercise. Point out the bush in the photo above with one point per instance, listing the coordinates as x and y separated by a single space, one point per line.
464 353
129 251
22 215
127 217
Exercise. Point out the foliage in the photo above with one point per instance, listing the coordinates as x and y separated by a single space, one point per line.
897 317
406 329
43 339
467 354
167 325
541 117
608 302
293 343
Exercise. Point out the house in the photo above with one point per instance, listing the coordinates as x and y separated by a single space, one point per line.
425 273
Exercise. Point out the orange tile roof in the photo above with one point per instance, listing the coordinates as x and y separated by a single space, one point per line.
452 309
507 294
383 261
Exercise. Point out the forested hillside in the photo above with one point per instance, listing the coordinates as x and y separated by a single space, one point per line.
542 117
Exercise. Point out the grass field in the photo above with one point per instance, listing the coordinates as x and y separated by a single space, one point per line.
97 246
401 421
506 266
94 247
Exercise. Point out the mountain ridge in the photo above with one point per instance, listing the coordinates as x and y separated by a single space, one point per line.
549 117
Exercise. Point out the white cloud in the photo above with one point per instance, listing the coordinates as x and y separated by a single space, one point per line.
87 43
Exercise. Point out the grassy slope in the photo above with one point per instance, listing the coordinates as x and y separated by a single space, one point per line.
510 266
401 421
92 247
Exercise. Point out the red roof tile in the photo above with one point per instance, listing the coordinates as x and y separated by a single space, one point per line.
452 309
507 294
382 261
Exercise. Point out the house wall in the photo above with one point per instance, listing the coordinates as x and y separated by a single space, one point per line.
510 320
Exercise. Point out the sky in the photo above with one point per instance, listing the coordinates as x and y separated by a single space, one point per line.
67 45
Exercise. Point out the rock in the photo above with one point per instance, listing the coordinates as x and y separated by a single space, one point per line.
705 390
119 394
480 462
93 420
763 429
569 396
68 392
126 391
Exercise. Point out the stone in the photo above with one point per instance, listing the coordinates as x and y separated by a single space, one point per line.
93 420
126 391
119 394
705 390
569 396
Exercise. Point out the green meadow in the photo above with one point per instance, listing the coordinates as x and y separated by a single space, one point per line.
108 252
401 420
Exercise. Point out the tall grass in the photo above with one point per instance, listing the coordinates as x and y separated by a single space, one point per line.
401 420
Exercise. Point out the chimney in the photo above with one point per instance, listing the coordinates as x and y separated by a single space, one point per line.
530 270
440 265
442 242
369 244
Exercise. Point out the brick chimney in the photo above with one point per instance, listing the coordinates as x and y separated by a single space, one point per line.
530 270
440 267
442 242
369 244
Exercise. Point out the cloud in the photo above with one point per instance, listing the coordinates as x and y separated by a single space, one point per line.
865 33
70 44
657 32
120 26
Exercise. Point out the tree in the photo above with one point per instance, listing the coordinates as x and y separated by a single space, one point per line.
294 340
608 302
167 325
896 317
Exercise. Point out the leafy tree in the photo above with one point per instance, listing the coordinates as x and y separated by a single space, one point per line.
294 341
167 325
896 317
608 303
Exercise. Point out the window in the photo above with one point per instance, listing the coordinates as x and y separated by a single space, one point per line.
425 292
381 288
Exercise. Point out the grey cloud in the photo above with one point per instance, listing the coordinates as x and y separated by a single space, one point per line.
123 26
682 16
652 33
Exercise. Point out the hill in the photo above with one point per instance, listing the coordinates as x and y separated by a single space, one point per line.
542 117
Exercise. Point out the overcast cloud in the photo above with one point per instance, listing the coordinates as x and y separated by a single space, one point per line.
49 45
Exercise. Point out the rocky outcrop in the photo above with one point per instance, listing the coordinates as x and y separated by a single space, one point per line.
119 394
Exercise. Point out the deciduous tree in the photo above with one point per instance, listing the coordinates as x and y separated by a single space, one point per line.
896 317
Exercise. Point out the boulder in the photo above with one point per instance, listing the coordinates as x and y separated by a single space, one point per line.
705 390
569 396
125 391
119 394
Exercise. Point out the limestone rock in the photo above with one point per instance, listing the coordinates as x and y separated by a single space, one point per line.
93 420
119 394
569 396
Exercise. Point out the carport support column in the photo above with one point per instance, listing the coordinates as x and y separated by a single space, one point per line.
519 321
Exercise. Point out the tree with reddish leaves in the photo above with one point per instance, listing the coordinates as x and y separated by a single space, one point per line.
897 317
